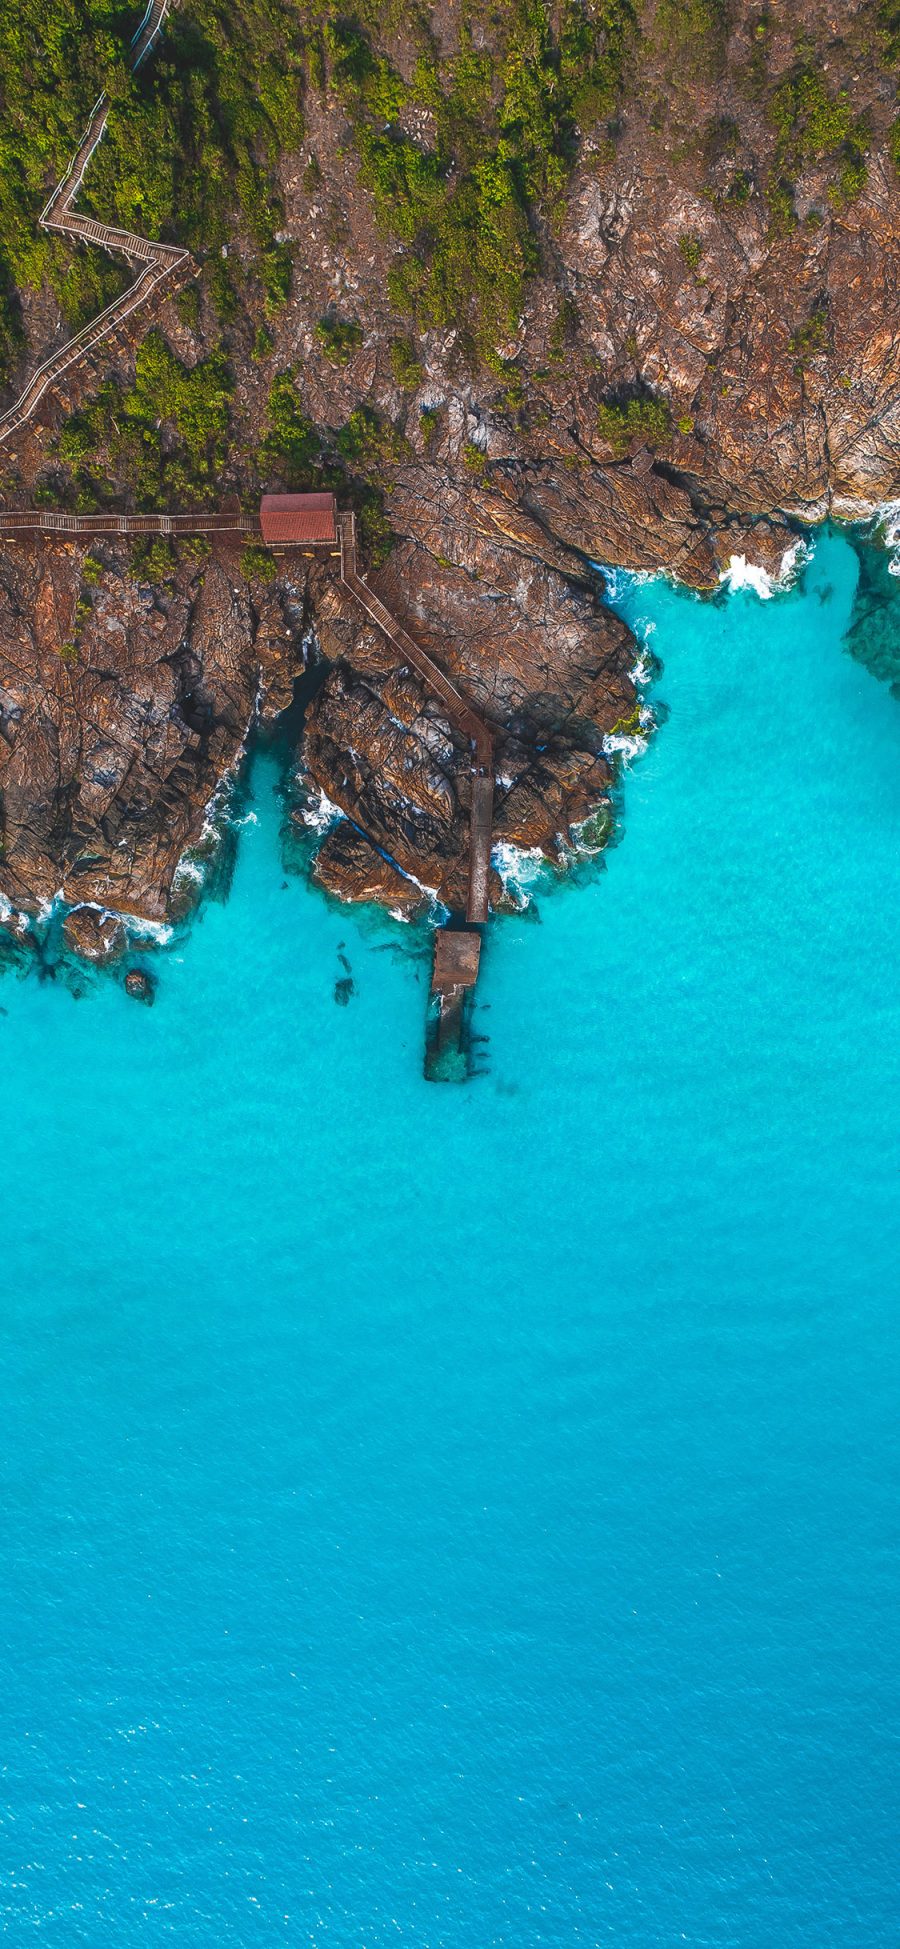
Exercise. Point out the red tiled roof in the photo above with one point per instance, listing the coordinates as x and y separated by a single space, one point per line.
297 517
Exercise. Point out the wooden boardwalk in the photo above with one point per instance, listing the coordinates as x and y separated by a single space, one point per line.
460 713
34 522
161 267
481 823
80 527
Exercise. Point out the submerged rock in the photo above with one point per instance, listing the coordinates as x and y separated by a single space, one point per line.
140 986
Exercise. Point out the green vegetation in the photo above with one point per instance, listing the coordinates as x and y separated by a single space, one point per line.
339 339
694 33
645 419
565 326
506 134
258 564
194 136
223 286
277 273
371 439
888 19
852 179
51 70
356 461
815 127
291 447
190 138
782 215
429 420
630 726
691 249
405 366
512 397
153 561
196 132
164 436
187 305
194 403
811 338
740 189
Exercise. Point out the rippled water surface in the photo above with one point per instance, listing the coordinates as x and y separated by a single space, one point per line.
469 1517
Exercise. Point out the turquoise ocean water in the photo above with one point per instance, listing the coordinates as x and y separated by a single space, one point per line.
464 1517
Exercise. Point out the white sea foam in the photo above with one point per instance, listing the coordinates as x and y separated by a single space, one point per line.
887 523
436 913
584 843
187 869
642 672
744 574
626 745
620 580
520 869
792 561
320 813
218 817
12 918
139 929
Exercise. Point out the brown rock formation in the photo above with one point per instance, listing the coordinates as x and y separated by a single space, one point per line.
348 865
93 934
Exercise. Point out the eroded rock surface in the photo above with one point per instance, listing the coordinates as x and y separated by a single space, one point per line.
95 935
120 707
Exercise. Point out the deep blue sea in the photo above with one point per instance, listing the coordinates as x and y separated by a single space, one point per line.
460 1517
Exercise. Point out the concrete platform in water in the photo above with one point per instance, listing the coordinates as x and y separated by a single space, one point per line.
448 1034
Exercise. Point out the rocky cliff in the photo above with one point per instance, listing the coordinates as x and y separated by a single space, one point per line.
684 347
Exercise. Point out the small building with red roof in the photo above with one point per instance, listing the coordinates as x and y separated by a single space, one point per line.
289 520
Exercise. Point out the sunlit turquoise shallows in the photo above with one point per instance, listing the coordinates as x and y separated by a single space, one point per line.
469 1517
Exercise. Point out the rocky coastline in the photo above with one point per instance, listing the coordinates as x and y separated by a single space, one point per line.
695 375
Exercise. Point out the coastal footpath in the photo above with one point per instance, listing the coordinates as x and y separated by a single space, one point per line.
539 289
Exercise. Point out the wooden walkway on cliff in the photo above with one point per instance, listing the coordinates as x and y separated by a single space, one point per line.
84 527
311 522
159 266
459 711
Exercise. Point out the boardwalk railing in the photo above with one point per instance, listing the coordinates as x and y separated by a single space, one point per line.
458 710
163 264
75 527
72 527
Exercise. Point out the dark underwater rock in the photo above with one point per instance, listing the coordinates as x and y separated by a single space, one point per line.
140 986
